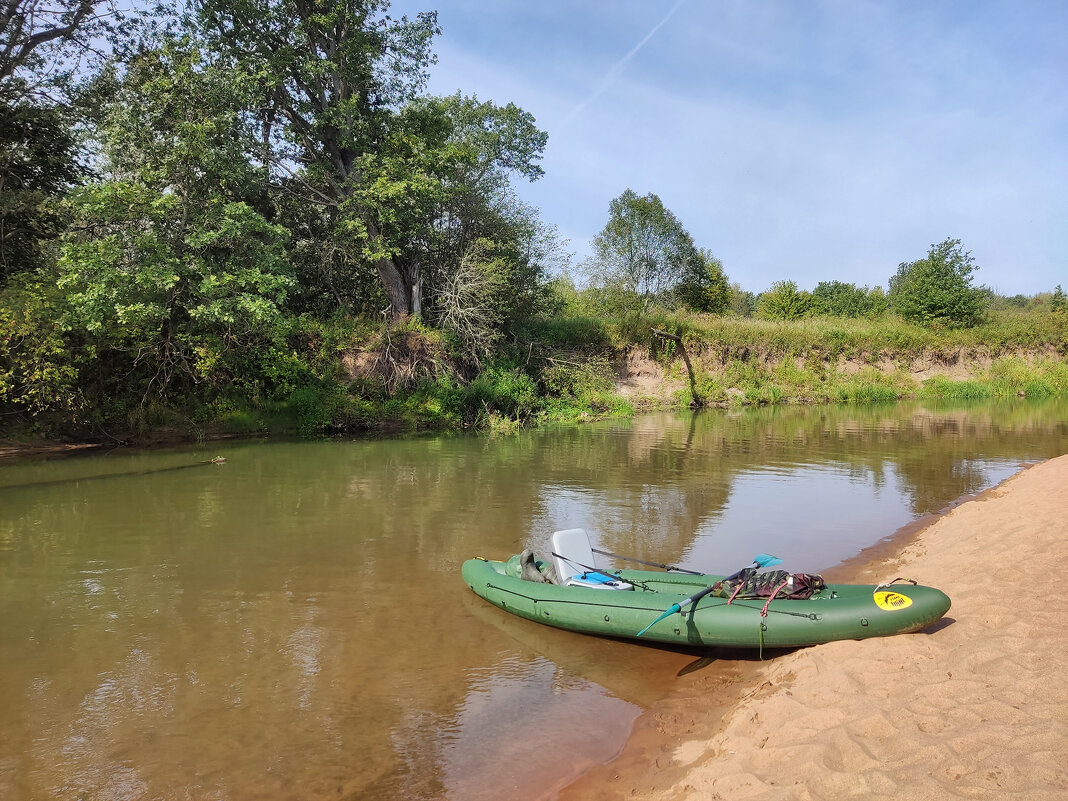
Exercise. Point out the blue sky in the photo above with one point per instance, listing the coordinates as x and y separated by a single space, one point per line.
807 140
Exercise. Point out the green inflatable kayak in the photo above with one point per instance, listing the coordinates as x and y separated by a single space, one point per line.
695 609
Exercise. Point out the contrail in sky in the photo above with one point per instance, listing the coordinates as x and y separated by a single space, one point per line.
618 67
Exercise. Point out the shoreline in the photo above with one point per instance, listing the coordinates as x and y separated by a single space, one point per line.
973 707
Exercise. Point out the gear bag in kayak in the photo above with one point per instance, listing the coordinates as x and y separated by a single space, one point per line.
772 584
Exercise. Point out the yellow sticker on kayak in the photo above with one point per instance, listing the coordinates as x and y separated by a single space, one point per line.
892 601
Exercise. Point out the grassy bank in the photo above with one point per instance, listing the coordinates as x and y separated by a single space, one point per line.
743 361
741 381
352 376
572 369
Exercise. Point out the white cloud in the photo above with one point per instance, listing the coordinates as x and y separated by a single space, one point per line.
810 141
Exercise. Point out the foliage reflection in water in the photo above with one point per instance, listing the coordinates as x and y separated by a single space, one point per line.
292 623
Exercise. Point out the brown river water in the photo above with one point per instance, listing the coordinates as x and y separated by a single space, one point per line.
291 624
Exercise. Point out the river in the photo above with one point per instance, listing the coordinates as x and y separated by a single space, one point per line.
291 623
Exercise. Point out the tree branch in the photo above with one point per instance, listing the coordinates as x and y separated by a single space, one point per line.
697 402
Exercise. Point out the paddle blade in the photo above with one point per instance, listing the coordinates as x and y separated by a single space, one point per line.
766 560
672 610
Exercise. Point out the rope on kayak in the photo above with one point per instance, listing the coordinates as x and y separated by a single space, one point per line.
764 611
769 611
587 568
671 568
693 609
734 594
566 600
624 606
618 574
895 581
764 614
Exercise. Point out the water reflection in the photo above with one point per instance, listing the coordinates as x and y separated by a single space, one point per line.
292 623
579 712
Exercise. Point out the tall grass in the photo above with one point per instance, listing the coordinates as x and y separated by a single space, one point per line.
858 338
563 370
1008 377
745 361
745 382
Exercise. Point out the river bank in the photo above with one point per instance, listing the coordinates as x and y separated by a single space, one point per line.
575 370
508 402
974 707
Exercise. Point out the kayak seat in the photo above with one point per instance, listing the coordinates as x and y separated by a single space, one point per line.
573 559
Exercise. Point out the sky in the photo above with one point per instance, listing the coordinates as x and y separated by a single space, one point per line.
803 140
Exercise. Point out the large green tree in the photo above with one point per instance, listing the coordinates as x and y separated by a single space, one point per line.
704 286
278 159
642 254
383 181
449 163
169 270
841 299
938 289
330 77
38 160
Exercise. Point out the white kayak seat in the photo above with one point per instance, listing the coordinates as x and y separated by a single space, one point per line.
575 565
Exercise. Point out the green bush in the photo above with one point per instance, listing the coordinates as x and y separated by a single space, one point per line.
942 388
239 421
504 391
1037 388
839 299
704 287
316 410
1054 372
784 301
937 290
38 371
577 379
866 388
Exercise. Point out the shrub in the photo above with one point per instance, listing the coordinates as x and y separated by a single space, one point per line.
503 391
839 299
938 289
784 301
1057 301
943 388
704 286
37 368
577 379
315 409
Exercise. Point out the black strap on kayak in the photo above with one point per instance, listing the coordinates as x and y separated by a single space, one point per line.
586 568
671 568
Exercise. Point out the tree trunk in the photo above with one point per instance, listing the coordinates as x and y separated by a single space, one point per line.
416 276
696 403
397 287
404 285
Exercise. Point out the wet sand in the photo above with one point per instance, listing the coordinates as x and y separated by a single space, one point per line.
974 707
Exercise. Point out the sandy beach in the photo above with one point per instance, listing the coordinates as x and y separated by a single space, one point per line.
975 707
